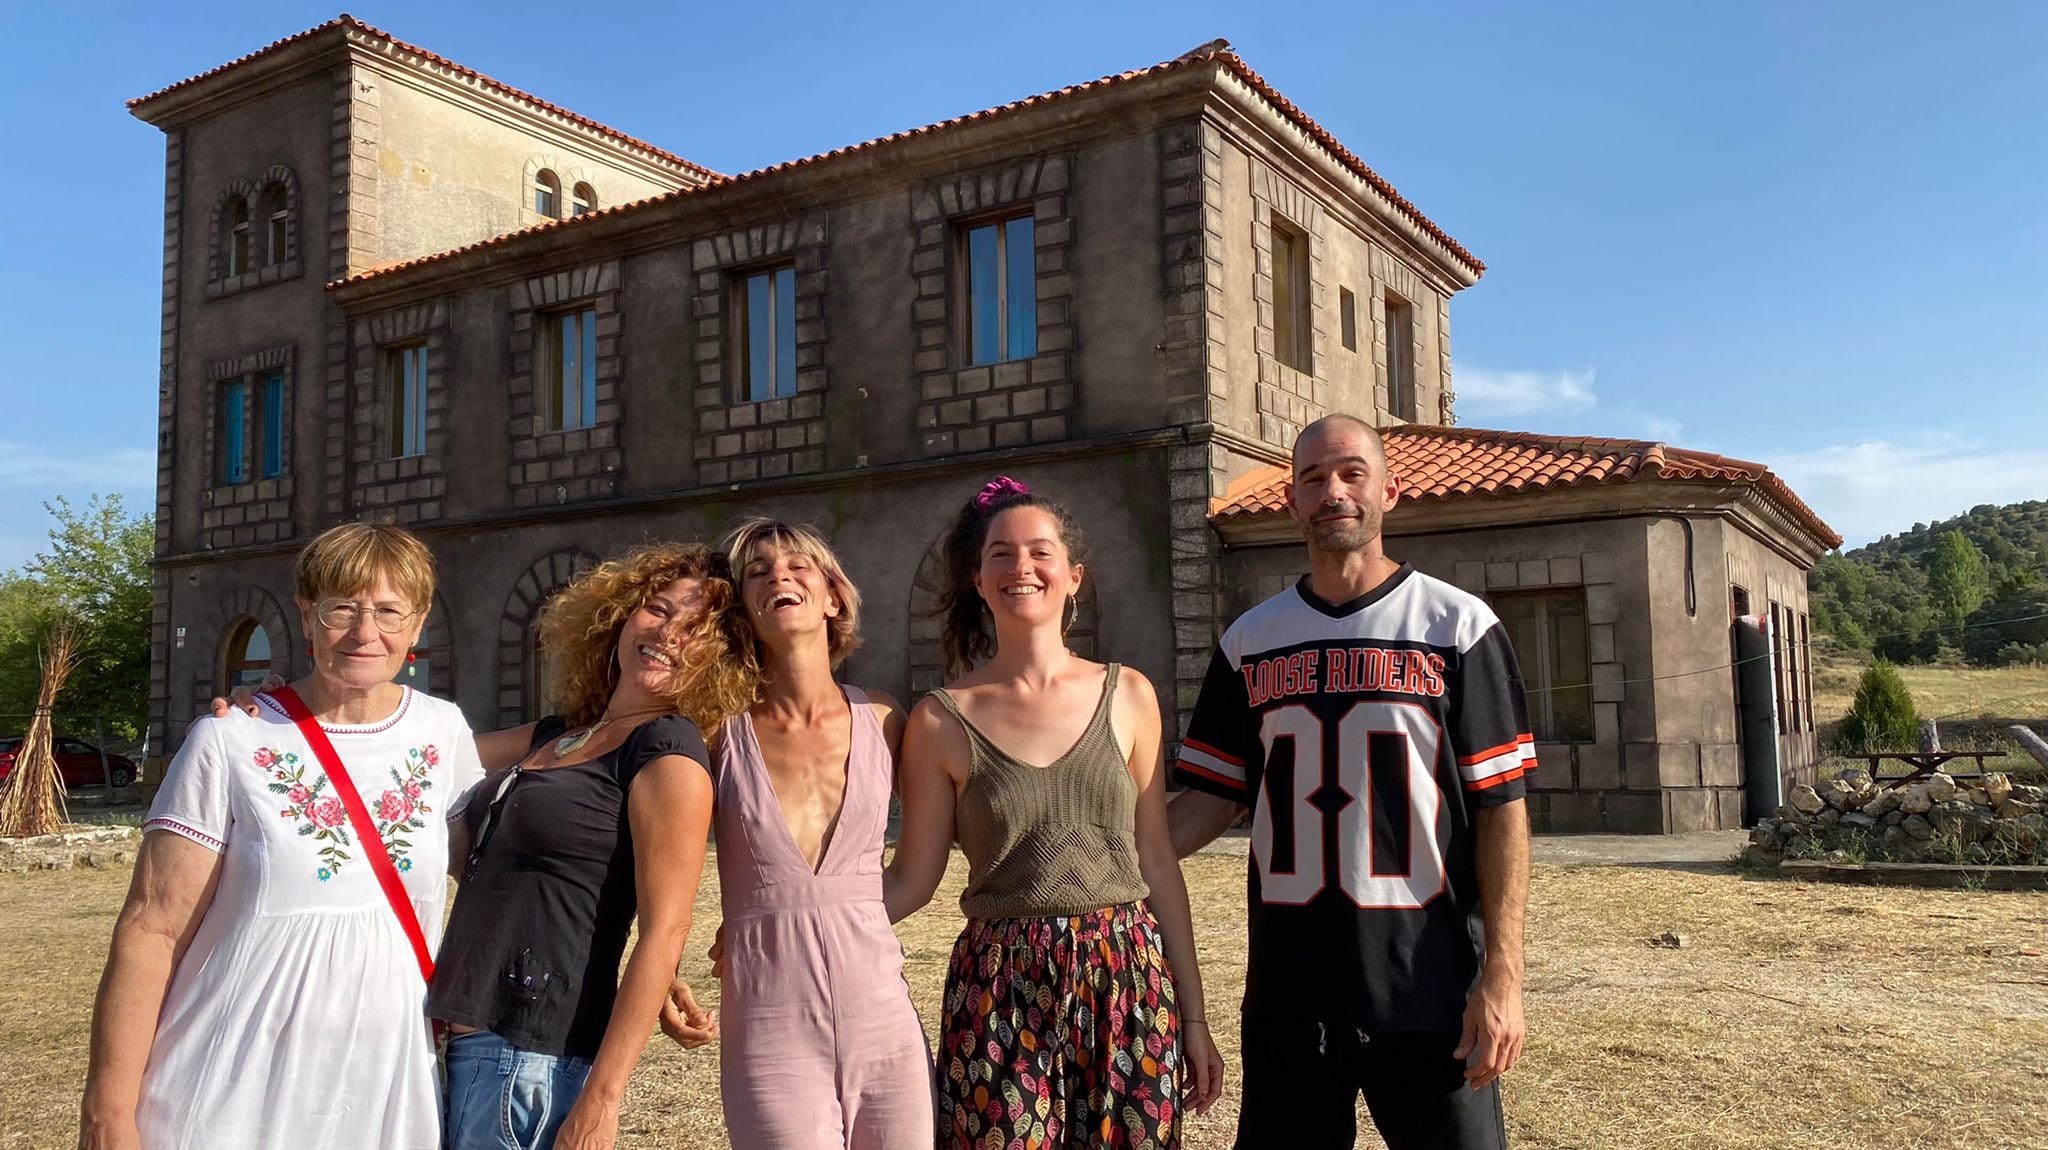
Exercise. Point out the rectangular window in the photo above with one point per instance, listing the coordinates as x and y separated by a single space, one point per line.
1400 359
1548 630
1291 296
1348 309
1002 291
234 410
272 436
571 398
405 393
767 336
278 220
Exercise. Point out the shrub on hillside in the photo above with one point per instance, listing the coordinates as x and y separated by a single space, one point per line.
1881 718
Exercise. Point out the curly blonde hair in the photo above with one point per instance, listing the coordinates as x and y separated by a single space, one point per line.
718 674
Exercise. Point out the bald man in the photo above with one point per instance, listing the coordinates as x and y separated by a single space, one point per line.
1373 719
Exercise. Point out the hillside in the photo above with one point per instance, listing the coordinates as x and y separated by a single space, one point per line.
1909 597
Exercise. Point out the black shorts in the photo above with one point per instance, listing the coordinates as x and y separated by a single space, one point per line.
1302 1081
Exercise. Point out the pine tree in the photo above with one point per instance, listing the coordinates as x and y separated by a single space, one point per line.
1882 717
1956 580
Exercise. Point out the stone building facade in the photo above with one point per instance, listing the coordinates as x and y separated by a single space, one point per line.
535 340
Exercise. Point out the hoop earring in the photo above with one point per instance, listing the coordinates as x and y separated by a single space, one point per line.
1073 613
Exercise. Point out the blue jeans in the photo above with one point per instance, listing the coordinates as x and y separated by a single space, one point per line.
503 1098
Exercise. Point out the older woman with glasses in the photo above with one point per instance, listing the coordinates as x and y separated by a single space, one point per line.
266 981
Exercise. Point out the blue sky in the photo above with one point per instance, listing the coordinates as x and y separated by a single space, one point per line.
1810 234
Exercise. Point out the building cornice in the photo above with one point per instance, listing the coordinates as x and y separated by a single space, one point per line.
978 463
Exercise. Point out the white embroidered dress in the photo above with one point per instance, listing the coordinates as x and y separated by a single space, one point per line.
295 1017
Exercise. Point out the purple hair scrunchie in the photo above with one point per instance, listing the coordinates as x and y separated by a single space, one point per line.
998 488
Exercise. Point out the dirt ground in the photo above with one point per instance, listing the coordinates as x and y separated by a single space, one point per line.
1795 1016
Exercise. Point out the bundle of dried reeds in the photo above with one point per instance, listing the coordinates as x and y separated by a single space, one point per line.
33 803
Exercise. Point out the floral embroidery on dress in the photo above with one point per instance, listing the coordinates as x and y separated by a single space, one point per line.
398 812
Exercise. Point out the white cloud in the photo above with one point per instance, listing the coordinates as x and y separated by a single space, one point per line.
1875 488
1486 393
61 469
35 473
1663 430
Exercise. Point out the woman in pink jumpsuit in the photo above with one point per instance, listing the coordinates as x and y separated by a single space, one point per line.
823 1048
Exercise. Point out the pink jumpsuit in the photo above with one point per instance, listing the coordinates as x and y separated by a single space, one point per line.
823 1048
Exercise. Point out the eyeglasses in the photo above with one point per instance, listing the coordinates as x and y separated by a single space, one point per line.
342 615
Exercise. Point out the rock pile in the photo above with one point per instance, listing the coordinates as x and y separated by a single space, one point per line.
97 847
1936 819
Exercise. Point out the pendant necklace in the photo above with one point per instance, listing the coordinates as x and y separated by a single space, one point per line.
570 743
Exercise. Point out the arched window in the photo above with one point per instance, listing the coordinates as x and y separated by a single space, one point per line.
278 218
238 237
246 659
547 194
540 677
582 199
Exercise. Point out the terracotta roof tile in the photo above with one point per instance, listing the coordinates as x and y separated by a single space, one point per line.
1216 52
1448 462
349 23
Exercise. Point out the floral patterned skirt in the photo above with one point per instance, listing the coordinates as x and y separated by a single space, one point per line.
1060 1034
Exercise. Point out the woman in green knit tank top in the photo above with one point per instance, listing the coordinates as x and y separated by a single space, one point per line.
1072 1017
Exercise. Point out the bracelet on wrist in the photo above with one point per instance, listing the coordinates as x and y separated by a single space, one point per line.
1194 1022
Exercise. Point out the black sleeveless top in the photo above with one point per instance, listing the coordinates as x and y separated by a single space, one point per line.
533 946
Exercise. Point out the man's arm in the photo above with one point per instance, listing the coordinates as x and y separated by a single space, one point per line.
1494 1028
1195 818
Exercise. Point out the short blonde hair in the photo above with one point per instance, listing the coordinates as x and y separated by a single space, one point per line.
351 557
842 634
716 676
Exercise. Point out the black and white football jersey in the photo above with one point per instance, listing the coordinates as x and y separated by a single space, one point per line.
1363 735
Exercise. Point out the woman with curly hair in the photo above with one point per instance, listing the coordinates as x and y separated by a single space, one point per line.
1072 1017
598 818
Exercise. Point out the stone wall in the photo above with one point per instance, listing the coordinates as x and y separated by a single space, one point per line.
1852 818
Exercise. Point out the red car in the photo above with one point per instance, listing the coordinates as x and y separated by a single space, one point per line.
77 761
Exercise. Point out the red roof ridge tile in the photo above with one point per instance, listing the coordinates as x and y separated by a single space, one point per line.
1445 462
347 22
1214 52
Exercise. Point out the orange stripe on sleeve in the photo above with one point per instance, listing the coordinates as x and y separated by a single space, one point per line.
1206 749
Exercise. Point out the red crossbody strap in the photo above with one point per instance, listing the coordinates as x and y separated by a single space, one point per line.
365 827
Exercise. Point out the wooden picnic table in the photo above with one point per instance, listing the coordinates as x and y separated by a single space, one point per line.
1925 763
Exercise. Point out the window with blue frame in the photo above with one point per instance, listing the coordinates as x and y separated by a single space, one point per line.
1001 312
767 333
571 399
406 392
273 426
234 410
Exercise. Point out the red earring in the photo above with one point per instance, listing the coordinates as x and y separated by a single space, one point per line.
410 659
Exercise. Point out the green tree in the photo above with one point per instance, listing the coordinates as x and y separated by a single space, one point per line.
1956 580
2012 625
96 568
1882 717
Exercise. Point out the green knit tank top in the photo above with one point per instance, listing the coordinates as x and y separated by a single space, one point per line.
1054 840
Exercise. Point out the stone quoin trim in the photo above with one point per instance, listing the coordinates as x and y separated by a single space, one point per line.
1193 360
352 238
166 442
738 439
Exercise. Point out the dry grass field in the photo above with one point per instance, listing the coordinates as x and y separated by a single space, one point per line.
1959 693
1796 1017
